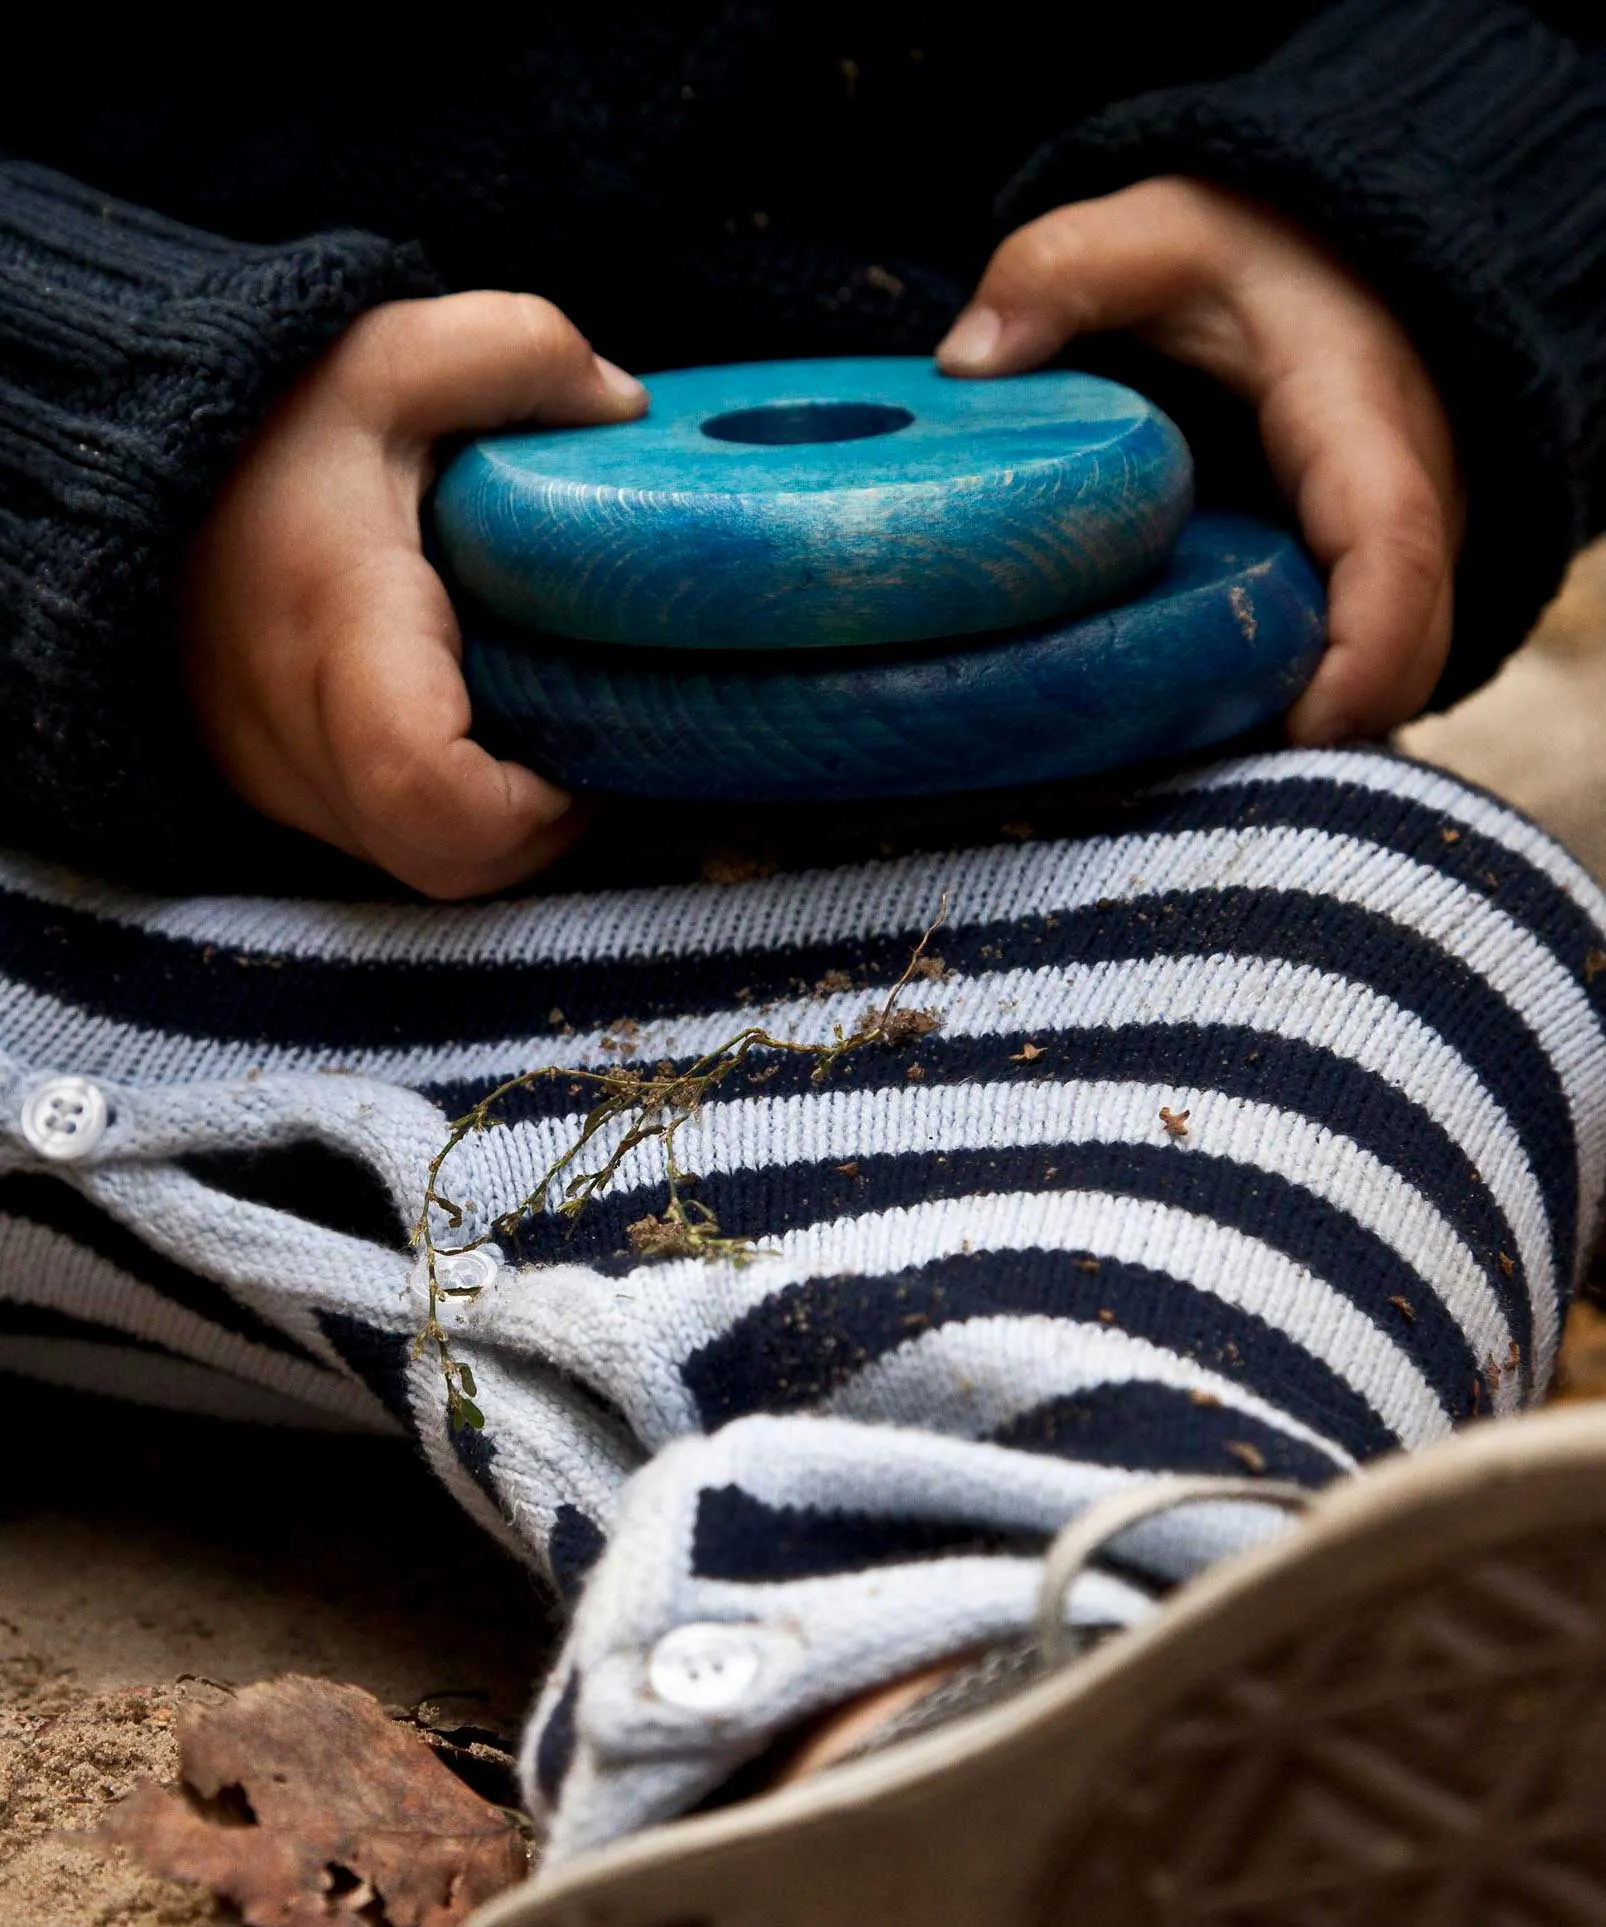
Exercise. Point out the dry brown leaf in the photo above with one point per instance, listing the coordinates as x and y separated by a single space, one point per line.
304 1804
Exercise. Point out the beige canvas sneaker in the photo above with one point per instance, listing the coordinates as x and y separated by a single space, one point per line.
1393 1715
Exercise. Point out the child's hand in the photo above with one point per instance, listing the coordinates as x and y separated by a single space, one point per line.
321 649
1352 426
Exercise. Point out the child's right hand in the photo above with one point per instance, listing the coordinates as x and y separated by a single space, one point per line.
321 649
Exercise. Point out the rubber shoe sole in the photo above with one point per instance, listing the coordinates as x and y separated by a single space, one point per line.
1392 1716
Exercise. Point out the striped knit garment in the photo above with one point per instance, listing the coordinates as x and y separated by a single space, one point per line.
994 1281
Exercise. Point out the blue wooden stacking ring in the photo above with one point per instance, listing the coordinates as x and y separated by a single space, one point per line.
1225 639
773 505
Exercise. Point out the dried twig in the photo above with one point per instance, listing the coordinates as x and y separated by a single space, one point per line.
652 1106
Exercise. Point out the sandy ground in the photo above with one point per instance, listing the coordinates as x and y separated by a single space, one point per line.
149 1561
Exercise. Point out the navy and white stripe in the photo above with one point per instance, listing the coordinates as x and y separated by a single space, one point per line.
1377 994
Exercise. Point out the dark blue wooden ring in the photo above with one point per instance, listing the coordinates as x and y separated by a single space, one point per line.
1226 639
825 504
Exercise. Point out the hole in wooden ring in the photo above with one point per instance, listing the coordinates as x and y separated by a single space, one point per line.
784 424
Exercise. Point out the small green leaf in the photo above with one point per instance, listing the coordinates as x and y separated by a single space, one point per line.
466 1379
473 1417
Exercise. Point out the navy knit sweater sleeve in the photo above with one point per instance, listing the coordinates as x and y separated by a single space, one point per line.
136 355
1455 152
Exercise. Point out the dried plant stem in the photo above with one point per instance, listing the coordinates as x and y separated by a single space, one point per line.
653 1105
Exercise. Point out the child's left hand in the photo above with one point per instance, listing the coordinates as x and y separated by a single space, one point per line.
1353 428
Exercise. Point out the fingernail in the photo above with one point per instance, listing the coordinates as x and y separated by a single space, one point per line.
970 342
617 382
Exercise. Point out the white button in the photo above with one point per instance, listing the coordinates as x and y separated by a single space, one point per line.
468 1270
706 1667
65 1117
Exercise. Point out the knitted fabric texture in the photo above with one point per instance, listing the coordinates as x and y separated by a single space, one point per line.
1262 1132
136 356
727 181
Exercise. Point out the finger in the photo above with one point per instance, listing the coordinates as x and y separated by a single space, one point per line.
1389 625
1115 262
1374 513
452 878
445 879
475 362
411 790
251 755
303 806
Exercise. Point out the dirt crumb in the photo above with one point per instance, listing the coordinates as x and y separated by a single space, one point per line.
664 1237
903 1025
737 866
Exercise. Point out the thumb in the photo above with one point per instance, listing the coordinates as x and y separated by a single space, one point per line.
1116 262
475 362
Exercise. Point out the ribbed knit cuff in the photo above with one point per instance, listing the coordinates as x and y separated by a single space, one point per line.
136 356
718 1565
1455 152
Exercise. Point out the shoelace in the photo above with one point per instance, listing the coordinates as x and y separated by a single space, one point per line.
1089 1531
1003 1671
